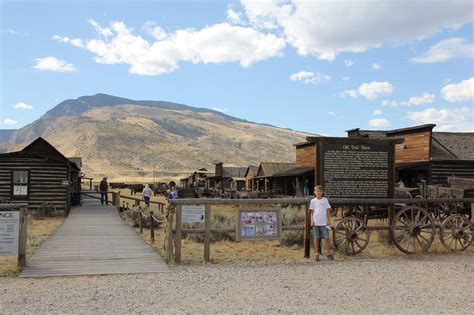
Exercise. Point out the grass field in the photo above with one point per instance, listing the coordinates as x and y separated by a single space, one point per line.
228 251
38 232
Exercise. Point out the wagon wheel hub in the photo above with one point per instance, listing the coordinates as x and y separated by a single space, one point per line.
353 237
459 234
415 230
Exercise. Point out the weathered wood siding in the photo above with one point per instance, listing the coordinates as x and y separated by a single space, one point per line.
45 182
306 155
441 170
416 147
249 180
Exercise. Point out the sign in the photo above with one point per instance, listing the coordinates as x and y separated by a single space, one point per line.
354 170
259 224
65 183
193 214
9 232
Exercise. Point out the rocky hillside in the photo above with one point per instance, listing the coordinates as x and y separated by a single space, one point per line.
120 137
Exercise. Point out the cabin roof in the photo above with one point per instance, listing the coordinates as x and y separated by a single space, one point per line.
252 168
270 168
294 171
452 146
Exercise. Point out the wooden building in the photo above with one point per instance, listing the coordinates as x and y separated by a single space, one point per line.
426 155
251 172
196 179
39 174
227 178
265 180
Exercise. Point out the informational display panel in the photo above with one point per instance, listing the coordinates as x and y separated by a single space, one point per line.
9 232
193 214
353 170
258 224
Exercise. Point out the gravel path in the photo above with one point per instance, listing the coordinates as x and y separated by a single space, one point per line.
426 284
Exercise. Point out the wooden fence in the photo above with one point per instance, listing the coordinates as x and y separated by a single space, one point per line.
174 235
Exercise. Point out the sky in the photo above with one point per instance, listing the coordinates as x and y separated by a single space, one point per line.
316 66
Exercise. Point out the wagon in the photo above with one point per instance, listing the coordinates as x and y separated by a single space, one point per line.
412 228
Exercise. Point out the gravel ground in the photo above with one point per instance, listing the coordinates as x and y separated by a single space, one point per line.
422 284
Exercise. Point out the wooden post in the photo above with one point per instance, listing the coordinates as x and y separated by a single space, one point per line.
472 212
140 220
178 234
391 216
152 228
23 237
137 202
307 233
118 200
207 233
169 242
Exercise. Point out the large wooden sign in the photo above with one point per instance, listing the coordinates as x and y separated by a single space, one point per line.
356 168
9 232
261 224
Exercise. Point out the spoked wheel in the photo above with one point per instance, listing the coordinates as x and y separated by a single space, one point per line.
456 233
413 230
351 236
444 209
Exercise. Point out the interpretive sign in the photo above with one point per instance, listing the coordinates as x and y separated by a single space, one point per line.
193 214
9 232
261 224
356 168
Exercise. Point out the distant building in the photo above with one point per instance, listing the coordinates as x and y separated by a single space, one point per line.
196 179
39 174
251 172
227 178
266 181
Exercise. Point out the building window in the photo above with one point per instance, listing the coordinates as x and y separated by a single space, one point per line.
20 184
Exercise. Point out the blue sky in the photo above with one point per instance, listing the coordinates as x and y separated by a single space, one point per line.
320 66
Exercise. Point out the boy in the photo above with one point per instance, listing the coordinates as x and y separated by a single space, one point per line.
319 211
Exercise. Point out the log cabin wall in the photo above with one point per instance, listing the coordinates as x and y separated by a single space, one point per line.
441 170
306 155
416 147
45 182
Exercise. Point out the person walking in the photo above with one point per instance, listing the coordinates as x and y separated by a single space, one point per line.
146 195
103 189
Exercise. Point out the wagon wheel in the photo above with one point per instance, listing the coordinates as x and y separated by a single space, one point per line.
46 210
445 209
351 236
413 229
456 233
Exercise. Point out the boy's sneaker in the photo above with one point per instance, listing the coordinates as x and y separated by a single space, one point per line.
330 257
316 258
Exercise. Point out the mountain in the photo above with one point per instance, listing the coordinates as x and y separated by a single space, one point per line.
124 138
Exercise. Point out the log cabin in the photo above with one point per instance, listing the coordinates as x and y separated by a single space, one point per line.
196 179
249 175
427 155
39 174
265 180
227 178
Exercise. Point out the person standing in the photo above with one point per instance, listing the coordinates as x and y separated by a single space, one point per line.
146 194
320 210
103 189
306 188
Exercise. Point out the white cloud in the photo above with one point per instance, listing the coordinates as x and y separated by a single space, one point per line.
73 41
54 64
426 98
155 30
462 91
310 77
445 50
454 119
370 90
379 122
376 66
218 43
377 112
7 31
234 17
23 106
316 27
348 62
332 114
350 93
10 122
346 78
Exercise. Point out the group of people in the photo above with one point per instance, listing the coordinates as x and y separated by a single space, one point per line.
147 192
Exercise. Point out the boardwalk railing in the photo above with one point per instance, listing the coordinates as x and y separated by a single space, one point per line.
175 210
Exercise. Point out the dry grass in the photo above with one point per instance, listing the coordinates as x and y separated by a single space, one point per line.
273 251
38 232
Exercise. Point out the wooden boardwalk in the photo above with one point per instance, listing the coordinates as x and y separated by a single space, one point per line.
93 240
